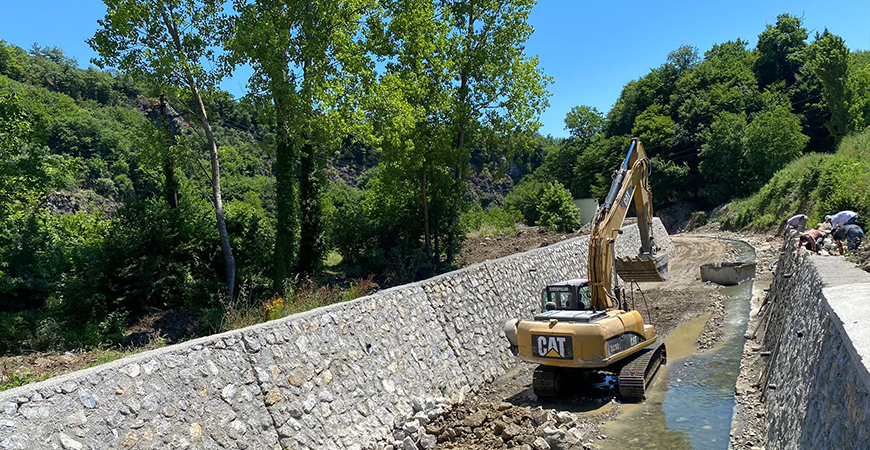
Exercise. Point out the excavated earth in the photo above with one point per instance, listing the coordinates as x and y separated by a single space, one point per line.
507 414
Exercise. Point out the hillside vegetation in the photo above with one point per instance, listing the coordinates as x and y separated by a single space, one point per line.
815 185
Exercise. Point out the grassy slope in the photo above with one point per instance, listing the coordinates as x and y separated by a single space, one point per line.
815 184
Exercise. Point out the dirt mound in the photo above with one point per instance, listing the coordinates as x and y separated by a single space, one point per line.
482 248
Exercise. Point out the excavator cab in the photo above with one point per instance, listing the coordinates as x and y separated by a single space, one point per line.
571 295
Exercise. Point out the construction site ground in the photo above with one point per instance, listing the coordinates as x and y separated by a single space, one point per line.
507 414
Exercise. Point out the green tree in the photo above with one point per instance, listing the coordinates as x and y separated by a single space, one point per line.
654 128
411 113
781 50
831 65
595 165
525 198
740 156
684 58
584 122
500 91
859 82
308 56
167 42
24 173
556 210
722 166
457 81
773 138
9 64
724 81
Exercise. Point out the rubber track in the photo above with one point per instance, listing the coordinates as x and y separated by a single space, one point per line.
636 375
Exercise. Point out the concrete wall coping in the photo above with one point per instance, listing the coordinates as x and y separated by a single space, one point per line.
850 310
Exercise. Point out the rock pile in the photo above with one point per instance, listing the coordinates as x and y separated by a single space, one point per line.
436 423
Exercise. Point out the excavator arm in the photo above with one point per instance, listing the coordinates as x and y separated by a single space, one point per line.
630 180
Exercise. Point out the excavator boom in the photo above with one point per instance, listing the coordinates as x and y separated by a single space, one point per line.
630 180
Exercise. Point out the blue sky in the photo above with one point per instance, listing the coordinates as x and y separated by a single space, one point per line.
590 48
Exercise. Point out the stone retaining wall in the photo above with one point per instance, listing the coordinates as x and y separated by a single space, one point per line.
335 377
818 379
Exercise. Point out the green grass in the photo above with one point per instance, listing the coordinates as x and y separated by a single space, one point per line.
299 296
108 355
16 379
493 221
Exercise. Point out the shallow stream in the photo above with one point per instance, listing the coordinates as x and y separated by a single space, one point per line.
691 401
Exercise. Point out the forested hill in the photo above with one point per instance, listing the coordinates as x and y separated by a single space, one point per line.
719 123
104 213
106 210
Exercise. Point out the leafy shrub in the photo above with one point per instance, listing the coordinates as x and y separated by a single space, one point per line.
17 329
525 198
697 219
556 209
252 235
48 335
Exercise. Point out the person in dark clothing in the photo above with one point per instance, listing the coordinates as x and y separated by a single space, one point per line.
851 233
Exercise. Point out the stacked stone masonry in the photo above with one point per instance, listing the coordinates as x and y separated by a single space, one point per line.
818 380
335 377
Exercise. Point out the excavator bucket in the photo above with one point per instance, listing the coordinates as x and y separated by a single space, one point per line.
643 267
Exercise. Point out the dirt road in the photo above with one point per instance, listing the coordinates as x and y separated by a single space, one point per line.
507 414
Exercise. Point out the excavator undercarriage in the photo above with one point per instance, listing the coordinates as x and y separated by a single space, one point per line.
635 374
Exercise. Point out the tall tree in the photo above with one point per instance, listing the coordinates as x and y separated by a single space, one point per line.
23 172
831 65
459 67
781 50
583 123
167 43
721 159
498 92
309 57
410 111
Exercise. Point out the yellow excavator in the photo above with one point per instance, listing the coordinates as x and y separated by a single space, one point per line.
586 324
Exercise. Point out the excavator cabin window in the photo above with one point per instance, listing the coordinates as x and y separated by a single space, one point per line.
571 298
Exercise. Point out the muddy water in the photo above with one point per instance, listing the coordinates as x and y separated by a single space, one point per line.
690 403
